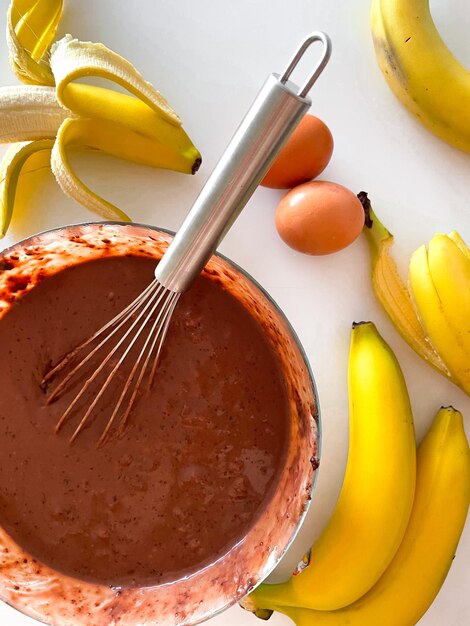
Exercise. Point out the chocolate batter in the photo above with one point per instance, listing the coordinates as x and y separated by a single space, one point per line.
200 455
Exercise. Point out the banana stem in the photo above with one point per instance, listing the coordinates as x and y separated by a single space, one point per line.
375 231
263 613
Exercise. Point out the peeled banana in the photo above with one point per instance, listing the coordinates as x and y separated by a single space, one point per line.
375 502
421 70
414 577
28 113
139 126
433 314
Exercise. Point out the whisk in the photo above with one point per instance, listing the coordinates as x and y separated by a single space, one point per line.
272 118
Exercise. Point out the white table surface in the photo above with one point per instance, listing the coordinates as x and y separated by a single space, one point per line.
209 58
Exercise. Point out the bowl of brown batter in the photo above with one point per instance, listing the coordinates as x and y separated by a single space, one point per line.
183 514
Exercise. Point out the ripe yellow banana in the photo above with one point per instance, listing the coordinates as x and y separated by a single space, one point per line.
375 502
420 69
448 327
420 566
434 315
140 127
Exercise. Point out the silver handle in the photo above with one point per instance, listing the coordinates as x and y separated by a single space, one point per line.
275 113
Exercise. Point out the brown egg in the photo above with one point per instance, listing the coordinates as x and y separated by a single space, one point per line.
305 155
319 217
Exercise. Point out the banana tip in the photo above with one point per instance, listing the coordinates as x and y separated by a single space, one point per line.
248 604
196 165
363 323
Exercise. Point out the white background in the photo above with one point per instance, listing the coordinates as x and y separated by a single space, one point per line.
209 58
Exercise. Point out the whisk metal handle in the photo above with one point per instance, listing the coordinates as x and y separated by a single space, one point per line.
273 116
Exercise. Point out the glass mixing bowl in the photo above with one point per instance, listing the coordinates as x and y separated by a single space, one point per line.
59 600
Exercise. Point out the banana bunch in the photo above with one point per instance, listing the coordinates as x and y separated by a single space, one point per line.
433 315
54 113
352 553
414 577
400 565
421 70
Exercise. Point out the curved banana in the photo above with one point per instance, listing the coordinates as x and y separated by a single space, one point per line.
420 69
375 502
440 321
139 126
420 566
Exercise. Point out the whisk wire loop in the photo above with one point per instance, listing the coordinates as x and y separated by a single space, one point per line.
154 302
120 318
159 329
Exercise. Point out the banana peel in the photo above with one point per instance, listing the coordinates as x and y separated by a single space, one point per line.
139 126
29 112
72 60
31 28
437 328
21 158
391 291
142 129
